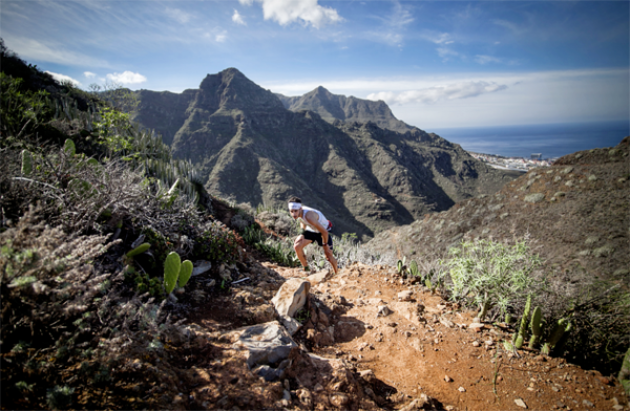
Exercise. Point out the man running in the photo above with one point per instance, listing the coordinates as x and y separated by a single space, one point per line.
314 228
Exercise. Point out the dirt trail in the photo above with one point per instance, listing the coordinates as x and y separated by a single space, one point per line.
419 353
423 346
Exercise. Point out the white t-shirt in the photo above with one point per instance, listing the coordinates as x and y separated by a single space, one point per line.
321 219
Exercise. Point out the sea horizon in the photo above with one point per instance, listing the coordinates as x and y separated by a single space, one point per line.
550 140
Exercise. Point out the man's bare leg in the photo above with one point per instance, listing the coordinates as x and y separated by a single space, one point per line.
298 245
331 259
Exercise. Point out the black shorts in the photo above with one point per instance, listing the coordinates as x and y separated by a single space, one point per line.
310 235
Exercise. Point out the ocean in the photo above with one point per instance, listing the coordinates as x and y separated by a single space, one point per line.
551 140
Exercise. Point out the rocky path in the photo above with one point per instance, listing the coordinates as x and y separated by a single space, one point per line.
372 340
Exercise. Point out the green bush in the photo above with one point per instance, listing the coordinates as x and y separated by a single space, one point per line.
492 273
216 243
21 110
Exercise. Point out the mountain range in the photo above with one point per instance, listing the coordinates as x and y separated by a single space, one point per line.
351 158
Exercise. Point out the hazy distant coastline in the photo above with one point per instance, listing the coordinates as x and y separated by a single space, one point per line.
551 140
511 163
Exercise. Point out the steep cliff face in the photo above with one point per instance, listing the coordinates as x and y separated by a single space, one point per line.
366 178
164 112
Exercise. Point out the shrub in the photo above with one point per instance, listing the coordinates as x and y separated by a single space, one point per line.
493 272
216 243
600 318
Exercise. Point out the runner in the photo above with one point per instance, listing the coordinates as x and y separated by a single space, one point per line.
314 228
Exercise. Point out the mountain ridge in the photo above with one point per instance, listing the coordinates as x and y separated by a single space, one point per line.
250 148
333 107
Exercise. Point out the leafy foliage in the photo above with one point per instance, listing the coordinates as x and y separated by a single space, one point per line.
78 183
20 110
493 272
216 243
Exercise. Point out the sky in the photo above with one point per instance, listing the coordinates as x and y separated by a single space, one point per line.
437 64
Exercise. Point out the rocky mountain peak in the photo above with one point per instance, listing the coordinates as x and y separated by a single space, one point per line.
230 89
334 107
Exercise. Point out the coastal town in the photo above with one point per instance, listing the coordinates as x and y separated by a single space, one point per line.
513 163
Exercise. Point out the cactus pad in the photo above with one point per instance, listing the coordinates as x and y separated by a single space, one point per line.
172 265
138 250
69 147
185 273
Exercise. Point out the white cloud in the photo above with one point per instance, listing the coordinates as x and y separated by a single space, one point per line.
483 59
438 38
216 35
531 98
63 78
89 74
178 15
433 95
447 53
33 50
524 97
221 37
126 77
305 11
391 32
514 28
400 16
238 19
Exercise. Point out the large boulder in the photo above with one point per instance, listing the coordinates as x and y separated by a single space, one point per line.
290 298
269 346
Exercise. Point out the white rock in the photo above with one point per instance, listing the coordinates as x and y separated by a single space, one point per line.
476 326
319 277
201 267
446 322
519 402
406 295
291 296
383 311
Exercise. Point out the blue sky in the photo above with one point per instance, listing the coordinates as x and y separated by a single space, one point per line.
437 64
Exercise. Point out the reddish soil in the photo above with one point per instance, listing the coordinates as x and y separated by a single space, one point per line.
424 346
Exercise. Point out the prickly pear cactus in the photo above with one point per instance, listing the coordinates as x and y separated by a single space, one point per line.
413 269
27 162
184 273
172 265
138 250
536 326
399 266
69 147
